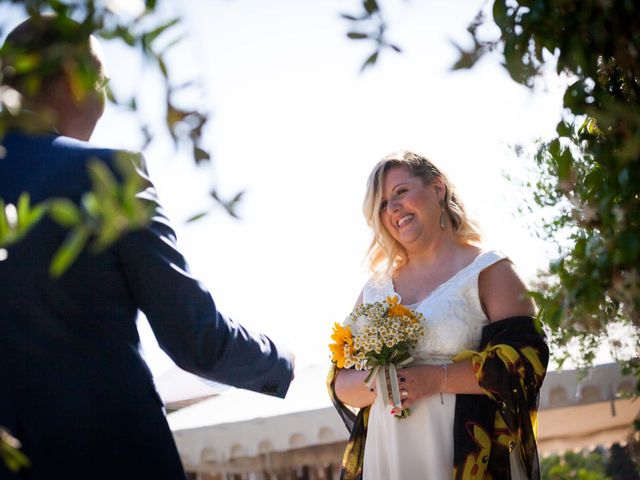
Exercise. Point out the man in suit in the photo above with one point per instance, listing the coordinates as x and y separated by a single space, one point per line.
73 387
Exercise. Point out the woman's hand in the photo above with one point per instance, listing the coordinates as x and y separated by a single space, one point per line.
420 381
351 389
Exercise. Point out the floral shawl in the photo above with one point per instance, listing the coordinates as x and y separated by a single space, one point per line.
510 367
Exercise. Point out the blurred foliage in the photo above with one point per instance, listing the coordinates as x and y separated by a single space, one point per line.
586 180
574 466
369 25
10 452
587 177
105 213
614 463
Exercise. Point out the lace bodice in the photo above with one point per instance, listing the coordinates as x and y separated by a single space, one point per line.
453 315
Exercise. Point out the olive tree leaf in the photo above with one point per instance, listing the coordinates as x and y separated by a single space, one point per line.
73 245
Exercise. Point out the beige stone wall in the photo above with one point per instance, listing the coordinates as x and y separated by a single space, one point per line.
320 462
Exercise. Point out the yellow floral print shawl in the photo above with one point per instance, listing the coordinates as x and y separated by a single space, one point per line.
510 367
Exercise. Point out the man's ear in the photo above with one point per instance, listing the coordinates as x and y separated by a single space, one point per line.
74 82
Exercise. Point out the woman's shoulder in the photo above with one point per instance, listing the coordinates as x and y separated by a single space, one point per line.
502 290
485 258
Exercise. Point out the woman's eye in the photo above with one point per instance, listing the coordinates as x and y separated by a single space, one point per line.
383 205
401 191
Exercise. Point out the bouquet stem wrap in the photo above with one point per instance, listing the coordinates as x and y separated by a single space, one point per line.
387 376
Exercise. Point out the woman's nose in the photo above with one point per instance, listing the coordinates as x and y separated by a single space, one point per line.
393 206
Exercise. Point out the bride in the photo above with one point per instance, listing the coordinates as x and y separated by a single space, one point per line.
473 386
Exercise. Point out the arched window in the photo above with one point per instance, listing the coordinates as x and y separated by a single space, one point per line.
297 440
558 396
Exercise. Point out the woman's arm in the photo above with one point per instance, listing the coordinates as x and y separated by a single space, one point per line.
502 295
349 384
351 389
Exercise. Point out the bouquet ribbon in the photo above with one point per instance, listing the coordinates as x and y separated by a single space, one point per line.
382 372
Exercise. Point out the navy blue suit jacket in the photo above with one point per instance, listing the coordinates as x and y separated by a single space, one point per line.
73 387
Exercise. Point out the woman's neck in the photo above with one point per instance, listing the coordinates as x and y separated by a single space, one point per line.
434 250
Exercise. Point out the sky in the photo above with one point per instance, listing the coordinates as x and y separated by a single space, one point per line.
297 127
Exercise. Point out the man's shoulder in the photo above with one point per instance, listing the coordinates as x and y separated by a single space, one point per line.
61 146
50 159
73 147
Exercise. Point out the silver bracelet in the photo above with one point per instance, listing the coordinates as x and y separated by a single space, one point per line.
446 378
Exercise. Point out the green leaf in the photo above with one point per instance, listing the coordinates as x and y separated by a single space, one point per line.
371 6
154 34
90 204
171 44
198 216
357 35
500 12
373 58
565 160
24 202
580 247
26 63
162 66
35 215
4 221
467 59
102 179
65 212
69 251
200 155
564 129
237 197
10 454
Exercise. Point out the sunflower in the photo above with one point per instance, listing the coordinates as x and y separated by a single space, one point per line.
398 310
342 337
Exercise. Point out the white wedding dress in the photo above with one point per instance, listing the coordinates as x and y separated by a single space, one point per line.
421 446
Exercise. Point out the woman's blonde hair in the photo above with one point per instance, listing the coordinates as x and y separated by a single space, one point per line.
384 251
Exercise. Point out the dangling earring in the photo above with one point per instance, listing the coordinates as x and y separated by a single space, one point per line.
442 214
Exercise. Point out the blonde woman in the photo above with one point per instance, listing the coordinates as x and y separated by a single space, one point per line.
470 419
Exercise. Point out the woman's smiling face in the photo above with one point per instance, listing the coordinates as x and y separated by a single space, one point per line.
410 209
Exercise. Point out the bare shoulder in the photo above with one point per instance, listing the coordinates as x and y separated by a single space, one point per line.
503 292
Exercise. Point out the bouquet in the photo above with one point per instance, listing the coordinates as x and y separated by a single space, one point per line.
378 337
